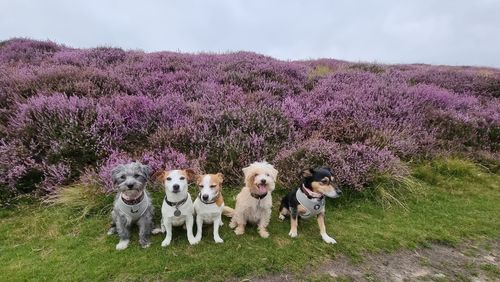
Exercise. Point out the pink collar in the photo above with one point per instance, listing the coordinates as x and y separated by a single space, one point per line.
132 201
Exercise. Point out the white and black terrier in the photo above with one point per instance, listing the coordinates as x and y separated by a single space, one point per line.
132 203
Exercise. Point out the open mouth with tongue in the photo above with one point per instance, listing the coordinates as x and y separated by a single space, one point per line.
262 188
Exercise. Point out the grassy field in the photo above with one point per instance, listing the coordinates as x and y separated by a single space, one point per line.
457 201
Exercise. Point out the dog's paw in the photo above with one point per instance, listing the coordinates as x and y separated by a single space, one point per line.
145 245
328 239
281 217
221 223
193 241
232 225
239 231
292 234
111 231
157 231
263 233
166 242
122 245
218 240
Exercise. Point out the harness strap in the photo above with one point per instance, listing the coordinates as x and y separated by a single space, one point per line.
135 211
312 205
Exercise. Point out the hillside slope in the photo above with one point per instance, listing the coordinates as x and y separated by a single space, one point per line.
71 114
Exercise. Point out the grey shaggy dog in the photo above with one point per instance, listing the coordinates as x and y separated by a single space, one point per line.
132 203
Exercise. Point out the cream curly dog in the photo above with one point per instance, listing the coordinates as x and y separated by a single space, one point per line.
254 202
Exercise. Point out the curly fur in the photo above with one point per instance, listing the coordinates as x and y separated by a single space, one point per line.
259 176
131 180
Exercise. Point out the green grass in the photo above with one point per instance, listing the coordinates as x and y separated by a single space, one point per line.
68 241
492 270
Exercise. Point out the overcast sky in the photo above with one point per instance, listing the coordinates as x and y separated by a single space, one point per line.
455 32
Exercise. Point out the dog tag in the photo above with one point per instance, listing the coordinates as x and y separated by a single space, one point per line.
177 212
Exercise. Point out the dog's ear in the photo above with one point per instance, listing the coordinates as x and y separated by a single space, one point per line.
245 170
248 176
199 178
220 176
274 173
146 170
191 175
115 171
159 175
307 173
327 168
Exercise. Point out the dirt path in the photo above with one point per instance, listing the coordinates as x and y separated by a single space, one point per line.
467 262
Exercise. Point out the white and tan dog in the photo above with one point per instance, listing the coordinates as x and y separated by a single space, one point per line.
209 204
177 208
254 202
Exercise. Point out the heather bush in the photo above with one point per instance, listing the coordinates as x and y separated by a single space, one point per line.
17 168
161 159
70 114
56 130
354 166
26 51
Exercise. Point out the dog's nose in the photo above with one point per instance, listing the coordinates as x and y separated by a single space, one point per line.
176 187
130 186
263 181
204 197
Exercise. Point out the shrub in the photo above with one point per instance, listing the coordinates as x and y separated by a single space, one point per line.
67 113
354 166
56 131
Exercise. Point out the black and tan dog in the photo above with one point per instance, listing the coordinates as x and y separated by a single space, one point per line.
309 200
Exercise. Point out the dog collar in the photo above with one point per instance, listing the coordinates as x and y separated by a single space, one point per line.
136 210
311 194
257 196
313 206
208 203
134 201
176 205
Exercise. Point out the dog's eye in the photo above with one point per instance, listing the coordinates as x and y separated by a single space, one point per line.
212 186
182 178
201 186
137 175
122 177
325 182
169 178
267 174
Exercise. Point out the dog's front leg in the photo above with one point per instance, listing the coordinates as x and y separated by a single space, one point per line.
239 222
263 223
168 232
322 229
145 226
217 224
294 220
189 227
122 228
162 226
199 227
